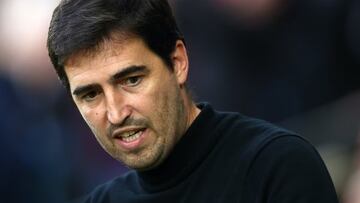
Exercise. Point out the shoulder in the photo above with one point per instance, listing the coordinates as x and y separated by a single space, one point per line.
111 191
280 165
264 140
290 151
251 132
286 169
248 139
260 142
267 163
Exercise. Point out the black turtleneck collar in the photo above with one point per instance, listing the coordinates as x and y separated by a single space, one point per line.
189 152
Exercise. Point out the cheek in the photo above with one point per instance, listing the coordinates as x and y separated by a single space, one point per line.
153 101
93 117
147 99
144 104
154 97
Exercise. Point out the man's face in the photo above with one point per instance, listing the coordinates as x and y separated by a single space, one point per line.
130 99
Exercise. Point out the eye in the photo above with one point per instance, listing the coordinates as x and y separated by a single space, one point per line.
90 96
132 81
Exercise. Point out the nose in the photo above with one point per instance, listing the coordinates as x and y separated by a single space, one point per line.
117 109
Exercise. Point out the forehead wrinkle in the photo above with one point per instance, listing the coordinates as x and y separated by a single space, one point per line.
111 45
88 56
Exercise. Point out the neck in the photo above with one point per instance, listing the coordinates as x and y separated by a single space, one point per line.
191 110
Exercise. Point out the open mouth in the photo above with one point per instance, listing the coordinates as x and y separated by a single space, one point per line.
131 136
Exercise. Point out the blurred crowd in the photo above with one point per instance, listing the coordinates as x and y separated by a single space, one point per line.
292 62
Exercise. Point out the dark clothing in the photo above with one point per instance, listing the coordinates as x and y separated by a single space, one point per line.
227 157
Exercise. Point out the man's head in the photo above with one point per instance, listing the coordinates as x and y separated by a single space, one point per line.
126 66
83 25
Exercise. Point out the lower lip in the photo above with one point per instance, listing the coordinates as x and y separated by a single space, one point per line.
133 144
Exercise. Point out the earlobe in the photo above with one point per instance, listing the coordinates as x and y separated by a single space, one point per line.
181 62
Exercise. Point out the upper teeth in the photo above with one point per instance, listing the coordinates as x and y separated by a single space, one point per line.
132 137
128 134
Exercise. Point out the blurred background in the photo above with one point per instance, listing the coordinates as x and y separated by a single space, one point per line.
292 62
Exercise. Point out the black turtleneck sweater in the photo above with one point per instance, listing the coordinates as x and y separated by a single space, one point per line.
227 157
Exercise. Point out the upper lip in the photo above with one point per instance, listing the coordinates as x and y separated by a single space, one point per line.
121 132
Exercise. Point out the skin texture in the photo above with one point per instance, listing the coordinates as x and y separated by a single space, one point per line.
151 98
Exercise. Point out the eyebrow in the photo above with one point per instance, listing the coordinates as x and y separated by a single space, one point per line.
86 88
128 71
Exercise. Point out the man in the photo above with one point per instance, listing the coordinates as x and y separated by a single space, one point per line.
125 65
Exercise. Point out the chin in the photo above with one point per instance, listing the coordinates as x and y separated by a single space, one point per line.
144 165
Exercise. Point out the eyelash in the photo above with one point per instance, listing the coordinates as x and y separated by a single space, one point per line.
126 82
89 96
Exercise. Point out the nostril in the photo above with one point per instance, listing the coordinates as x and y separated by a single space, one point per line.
117 115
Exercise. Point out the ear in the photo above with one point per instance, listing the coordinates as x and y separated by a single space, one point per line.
181 62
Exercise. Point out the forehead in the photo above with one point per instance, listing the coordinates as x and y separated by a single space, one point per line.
107 52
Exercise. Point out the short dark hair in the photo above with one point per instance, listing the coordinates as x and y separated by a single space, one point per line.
79 25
